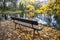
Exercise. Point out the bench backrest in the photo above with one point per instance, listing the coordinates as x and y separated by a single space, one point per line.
25 20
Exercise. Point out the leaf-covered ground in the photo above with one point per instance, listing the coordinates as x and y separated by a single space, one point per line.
8 32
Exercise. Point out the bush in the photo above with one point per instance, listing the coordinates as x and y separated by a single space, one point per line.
57 18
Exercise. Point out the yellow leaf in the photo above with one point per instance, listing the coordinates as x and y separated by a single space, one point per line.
15 31
8 39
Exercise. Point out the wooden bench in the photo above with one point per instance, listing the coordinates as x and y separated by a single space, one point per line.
27 23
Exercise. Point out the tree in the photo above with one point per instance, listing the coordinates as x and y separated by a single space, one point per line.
51 8
14 3
22 9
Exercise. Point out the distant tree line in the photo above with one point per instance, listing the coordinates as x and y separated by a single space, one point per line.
3 5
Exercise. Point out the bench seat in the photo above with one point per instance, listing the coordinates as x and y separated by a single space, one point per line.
29 25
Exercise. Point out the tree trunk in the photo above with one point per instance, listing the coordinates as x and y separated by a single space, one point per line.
14 3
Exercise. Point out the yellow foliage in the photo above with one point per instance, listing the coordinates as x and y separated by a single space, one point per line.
49 7
58 7
30 14
39 11
43 7
48 3
30 7
57 12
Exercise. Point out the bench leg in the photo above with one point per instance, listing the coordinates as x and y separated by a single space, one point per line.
38 35
33 34
15 26
19 26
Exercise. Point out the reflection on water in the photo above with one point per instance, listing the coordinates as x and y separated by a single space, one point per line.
18 15
8 17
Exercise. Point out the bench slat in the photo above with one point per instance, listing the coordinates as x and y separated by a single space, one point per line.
29 25
25 20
